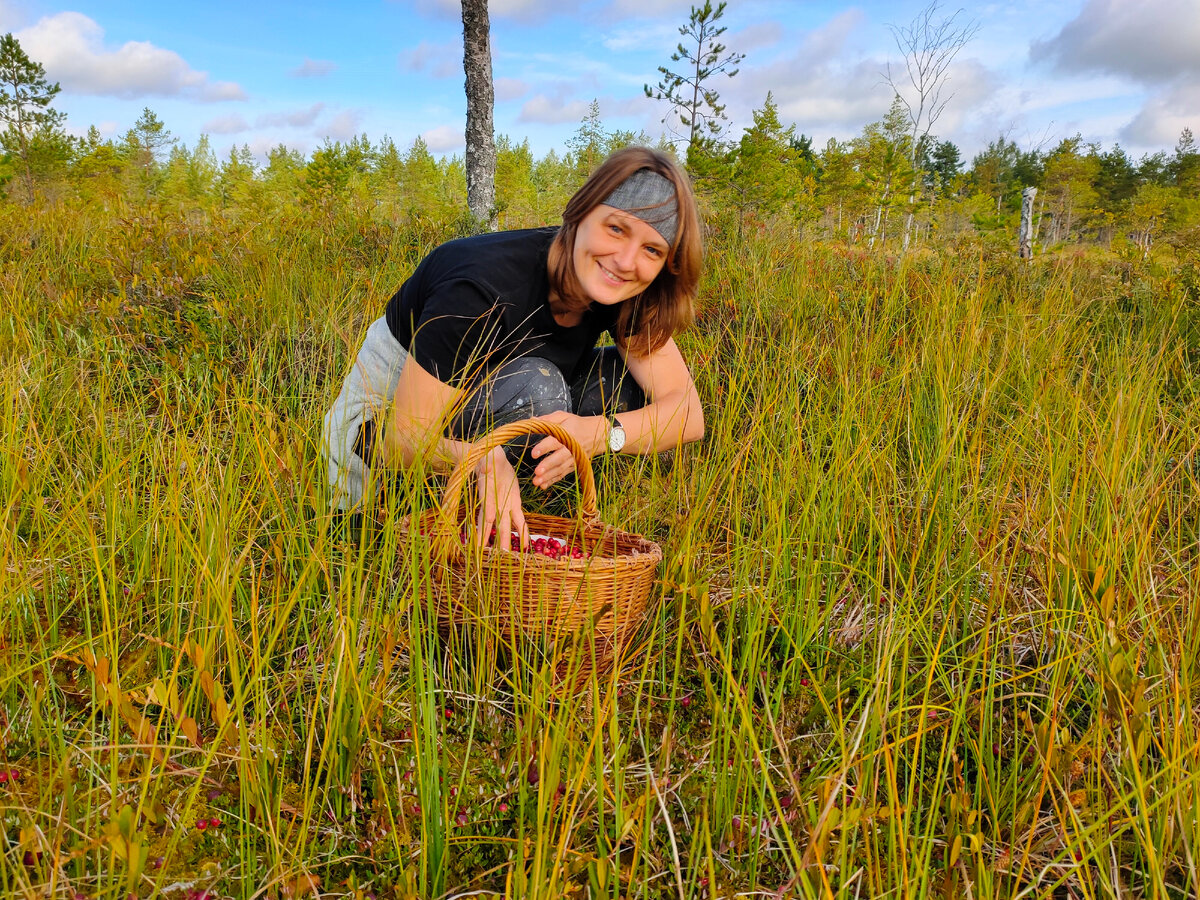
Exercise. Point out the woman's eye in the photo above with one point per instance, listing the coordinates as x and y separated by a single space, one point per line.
653 251
615 229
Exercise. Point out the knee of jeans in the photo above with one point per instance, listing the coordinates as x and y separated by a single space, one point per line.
534 386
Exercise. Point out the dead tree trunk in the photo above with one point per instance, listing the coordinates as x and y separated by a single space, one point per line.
1025 238
481 142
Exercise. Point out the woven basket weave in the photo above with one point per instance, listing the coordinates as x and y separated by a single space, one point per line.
599 599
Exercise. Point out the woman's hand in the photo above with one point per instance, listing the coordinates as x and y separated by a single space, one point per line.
556 462
499 501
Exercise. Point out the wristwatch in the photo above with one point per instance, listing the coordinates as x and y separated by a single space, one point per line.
616 435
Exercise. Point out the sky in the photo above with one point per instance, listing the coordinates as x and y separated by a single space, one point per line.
267 73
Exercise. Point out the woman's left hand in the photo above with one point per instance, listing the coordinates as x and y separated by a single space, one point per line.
556 462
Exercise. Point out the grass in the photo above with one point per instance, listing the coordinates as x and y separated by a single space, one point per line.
925 624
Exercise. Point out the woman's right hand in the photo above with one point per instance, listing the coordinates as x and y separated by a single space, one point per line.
499 501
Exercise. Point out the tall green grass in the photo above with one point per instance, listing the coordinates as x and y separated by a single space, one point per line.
925 626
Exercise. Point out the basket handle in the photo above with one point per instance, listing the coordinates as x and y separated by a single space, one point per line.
445 536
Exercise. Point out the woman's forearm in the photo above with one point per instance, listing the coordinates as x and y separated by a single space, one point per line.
405 442
663 424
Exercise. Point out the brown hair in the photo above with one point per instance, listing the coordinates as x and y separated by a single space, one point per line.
667 306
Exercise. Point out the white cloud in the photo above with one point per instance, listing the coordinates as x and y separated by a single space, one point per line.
443 60
527 10
825 43
649 9
313 68
755 37
71 47
297 118
510 89
660 36
12 16
1148 40
231 124
342 127
1163 118
444 138
552 110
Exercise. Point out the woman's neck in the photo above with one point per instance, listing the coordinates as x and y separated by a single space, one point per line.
569 318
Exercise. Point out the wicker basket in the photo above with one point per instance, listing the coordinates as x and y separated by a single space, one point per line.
596 601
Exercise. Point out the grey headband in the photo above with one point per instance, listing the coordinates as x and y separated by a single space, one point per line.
650 197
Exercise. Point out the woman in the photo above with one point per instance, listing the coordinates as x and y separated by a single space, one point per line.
502 327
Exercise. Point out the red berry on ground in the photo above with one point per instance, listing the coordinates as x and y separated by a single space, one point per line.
461 819
201 824
503 807
3 777
214 822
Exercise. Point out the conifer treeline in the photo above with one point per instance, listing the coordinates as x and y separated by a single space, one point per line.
865 190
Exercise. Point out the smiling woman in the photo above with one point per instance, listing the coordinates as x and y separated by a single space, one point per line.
501 327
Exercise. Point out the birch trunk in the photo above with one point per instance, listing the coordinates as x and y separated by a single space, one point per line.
481 142
1025 238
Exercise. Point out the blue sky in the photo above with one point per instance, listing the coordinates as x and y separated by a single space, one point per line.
267 73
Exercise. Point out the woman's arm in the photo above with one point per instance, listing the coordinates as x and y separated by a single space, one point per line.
421 408
671 417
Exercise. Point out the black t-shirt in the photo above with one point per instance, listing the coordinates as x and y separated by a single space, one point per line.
477 302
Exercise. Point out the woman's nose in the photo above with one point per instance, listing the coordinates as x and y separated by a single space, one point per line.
627 256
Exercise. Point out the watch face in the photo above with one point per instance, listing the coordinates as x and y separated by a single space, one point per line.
616 438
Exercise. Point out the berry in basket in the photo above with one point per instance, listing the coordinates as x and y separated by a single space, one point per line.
541 544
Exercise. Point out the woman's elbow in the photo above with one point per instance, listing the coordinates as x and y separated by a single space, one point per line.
694 428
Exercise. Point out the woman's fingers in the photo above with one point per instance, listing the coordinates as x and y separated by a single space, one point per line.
500 504
545 446
554 468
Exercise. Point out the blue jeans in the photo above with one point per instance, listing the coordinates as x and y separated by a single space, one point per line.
530 387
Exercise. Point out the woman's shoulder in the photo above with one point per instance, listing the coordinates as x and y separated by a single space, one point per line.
534 241
492 260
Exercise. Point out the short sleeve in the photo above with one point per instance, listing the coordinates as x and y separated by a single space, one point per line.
458 331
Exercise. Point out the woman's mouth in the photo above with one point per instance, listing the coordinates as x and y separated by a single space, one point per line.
610 276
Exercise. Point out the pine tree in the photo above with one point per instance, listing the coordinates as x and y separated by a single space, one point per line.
144 142
25 98
588 144
763 177
1185 167
691 93
945 162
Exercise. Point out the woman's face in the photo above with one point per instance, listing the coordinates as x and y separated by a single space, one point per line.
616 255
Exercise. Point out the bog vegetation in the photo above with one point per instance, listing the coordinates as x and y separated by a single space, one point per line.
926 623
